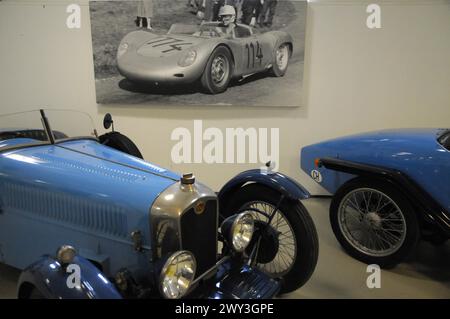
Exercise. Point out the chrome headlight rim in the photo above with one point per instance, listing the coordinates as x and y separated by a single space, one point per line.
238 219
169 261
122 49
66 254
188 58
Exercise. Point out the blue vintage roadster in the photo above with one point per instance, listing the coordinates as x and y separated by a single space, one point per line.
85 219
390 188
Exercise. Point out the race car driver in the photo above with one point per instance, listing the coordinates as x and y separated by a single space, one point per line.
227 18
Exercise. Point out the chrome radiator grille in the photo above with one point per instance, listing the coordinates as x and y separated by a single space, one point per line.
199 235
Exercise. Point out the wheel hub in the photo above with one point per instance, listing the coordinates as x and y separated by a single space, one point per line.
269 242
282 55
372 220
218 69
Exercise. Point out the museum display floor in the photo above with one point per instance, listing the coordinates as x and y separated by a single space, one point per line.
426 275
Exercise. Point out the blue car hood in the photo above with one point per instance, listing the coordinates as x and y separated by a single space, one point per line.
415 152
101 184
397 136
98 150
385 143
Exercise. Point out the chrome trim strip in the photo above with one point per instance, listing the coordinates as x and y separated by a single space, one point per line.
75 138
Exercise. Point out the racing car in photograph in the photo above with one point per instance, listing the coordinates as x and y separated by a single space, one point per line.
390 188
209 53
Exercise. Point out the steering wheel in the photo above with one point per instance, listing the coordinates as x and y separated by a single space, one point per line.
209 33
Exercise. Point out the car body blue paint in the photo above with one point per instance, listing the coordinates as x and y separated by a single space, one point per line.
17 142
51 279
52 195
93 148
275 180
415 152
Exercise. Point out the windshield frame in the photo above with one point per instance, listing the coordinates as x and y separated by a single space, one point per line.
50 136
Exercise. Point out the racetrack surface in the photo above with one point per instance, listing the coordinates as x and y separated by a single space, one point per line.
256 90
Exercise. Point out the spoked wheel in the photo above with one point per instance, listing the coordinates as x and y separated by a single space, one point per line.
374 222
281 60
218 71
280 247
285 241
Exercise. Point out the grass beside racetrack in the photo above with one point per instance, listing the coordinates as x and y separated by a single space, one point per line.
112 20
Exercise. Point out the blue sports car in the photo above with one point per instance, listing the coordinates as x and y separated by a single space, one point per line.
390 188
85 217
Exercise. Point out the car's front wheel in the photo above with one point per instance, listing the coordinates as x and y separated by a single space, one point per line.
218 71
374 222
288 244
35 294
281 60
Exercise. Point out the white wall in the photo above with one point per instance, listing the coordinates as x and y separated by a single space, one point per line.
356 79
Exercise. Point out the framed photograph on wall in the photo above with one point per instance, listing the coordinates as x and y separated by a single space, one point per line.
199 52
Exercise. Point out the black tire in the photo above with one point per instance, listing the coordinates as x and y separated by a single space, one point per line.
412 234
35 294
209 85
276 70
121 143
301 224
436 239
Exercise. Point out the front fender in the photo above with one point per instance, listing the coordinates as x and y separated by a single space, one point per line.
50 279
282 36
277 181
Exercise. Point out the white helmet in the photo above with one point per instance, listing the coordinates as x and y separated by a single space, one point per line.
228 10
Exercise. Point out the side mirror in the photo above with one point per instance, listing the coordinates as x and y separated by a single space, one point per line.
108 121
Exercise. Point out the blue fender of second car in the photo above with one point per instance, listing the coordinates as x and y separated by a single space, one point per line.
414 152
275 180
51 279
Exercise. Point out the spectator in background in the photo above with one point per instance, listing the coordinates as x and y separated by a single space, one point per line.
250 11
144 14
216 9
209 9
195 5
268 11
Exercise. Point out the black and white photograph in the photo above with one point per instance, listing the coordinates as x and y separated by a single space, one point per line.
225 158
199 52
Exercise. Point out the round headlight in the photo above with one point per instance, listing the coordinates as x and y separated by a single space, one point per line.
242 231
66 254
123 47
177 274
188 58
